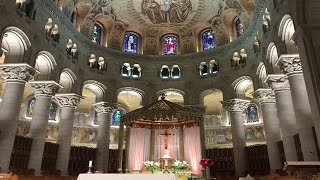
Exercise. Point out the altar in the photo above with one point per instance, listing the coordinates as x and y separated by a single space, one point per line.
127 176
162 134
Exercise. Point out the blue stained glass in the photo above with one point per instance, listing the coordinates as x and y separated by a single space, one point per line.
116 117
96 33
208 40
53 111
95 118
252 113
239 27
170 45
130 43
30 107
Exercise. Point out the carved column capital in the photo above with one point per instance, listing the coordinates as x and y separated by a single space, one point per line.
45 88
105 107
67 100
17 72
264 96
278 82
290 63
235 104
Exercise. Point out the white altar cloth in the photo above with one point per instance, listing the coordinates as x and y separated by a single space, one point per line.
127 177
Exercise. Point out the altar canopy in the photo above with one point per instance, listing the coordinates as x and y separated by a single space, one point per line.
164 129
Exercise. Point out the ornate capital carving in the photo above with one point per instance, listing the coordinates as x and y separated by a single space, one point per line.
104 107
235 104
48 88
17 72
264 96
290 63
278 82
67 100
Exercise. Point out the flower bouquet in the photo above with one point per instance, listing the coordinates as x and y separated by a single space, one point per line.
152 166
179 166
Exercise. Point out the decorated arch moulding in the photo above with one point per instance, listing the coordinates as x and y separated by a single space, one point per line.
20 33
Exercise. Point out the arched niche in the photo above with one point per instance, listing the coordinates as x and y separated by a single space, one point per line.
172 95
262 74
45 64
211 99
107 23
243 87
15 43
273 56
67 79
130 98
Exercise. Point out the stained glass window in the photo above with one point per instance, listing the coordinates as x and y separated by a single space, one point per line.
239 27
252 113
95 118
30 107
208 41
170 45
53 111
130 43
96 33
116 117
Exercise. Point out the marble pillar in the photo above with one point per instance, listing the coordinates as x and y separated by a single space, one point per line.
16 76
267 101
43 92
288 127
104 111
236 108
68 103
291 65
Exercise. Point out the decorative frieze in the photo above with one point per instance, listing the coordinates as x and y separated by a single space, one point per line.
104 107
18 72
290 63
235 104
67 100
278 82
49 88
264 96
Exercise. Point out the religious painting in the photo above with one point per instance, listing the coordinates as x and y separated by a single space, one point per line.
252 113
255 133
208 40
96 33
130 43
23 128
116 117
84 135
30 107
239 27
53 111
170 45
166 11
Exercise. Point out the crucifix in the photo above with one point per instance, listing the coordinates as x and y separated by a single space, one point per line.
165 134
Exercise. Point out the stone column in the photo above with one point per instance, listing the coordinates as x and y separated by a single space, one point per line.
128 129
279 83
267 101
236 108
291 65
16 76
120 146
68 104
104 111
152 144
181 144
43 91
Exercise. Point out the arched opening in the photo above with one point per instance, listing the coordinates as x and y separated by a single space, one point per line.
243 87
45 64
175 72
164 72
262 74
172 95
97 33
67 78
214 66
286 32
136 71
126 70
130 99
238 27
203 69
208 40
170 45
273 56
15 43
266 20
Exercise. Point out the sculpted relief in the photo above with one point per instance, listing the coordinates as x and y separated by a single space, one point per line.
164 11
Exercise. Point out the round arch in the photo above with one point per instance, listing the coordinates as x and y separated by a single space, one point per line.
97 88
67 79
211 98
243 87
173 95
273 56
262 74
286 29
131 98
45 64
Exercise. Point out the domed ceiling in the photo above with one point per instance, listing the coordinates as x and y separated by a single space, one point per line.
152 19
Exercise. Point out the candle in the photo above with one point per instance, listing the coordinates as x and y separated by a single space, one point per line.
90 163
165 162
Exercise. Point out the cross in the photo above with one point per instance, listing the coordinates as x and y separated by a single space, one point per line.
165 134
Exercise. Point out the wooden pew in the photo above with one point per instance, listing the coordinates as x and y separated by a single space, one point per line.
5 176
